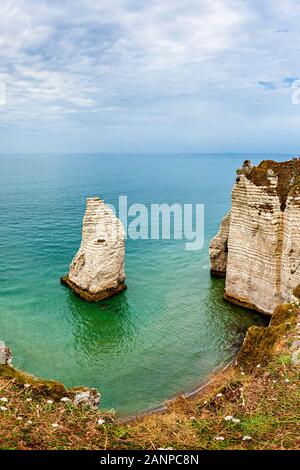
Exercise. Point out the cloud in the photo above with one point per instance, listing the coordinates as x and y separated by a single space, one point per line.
61 59
85 65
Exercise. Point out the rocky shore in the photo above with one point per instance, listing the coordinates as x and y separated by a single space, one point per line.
50 389
253 404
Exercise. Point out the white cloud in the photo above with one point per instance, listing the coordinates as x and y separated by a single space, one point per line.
91 63
86 53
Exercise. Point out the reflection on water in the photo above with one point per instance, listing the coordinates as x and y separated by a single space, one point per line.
100 328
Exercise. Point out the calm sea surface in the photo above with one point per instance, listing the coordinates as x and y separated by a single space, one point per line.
168 331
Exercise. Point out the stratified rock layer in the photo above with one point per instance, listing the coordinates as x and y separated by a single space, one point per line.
97 271
218 249
263 244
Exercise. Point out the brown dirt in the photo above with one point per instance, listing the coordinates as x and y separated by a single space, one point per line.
288 177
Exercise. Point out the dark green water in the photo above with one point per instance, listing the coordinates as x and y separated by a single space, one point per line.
162 336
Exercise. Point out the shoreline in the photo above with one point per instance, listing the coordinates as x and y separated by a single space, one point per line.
231 404
247 306
283 312
194 393
202 388
162 408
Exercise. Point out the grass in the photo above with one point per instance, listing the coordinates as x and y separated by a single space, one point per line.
261 343
258 409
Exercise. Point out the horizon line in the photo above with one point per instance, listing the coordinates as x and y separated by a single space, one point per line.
149 153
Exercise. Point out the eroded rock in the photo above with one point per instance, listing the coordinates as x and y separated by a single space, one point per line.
5 354
218 249
50 389
90 397
262 249
97 270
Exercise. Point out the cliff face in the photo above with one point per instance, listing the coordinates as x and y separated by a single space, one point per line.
218 249
97 270
263 243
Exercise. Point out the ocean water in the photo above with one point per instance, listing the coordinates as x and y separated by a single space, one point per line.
162 336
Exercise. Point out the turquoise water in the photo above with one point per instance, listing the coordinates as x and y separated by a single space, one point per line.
162 336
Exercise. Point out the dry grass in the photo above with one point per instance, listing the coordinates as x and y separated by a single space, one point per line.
268 412
265 405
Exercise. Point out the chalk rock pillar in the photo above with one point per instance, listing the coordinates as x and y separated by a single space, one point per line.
97 270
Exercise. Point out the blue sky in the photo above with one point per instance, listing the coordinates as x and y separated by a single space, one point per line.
150 76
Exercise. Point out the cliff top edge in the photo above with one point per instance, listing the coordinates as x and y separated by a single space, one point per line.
287 174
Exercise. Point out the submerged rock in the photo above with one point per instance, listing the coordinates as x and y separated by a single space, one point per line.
98 271
258 245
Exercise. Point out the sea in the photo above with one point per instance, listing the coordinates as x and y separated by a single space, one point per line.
170 329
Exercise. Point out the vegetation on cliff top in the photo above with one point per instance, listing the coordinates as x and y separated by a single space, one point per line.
241 409
288 174
260 343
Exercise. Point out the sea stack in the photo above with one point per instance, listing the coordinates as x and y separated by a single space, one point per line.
257 248
97 271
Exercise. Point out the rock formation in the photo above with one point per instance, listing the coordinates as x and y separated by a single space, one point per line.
218 249
258 245
79 396
97 271
5 354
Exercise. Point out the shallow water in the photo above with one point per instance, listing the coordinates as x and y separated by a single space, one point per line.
168 331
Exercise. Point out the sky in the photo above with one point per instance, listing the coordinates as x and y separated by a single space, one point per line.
150 76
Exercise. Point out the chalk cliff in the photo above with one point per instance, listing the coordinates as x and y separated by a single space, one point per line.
97 270
219 250
258 245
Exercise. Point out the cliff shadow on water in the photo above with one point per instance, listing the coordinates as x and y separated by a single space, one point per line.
232 319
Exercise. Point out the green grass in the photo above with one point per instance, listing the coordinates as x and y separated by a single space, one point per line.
264 402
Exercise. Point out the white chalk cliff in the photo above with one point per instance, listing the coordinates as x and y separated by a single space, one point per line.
258 246
97 270
218 249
